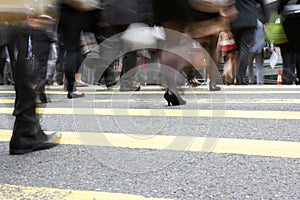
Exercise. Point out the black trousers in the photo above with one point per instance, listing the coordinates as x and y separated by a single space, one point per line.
243 38
292 31
41 45
27 130
71 24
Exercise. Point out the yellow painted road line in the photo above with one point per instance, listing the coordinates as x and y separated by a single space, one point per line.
200 100
153 87
249 114
195 92
180 143
10 192
7 101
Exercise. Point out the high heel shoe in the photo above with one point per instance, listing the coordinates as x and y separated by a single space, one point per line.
172 99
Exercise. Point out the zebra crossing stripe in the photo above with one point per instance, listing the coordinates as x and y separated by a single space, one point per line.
250 147
25 192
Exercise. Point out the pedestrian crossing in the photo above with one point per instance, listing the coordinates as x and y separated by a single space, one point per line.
180 143
285 108
25 192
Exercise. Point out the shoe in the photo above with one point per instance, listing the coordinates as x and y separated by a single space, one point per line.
172 99
51 141
214 88
81 84
132 88
75 94
111 83
42 101
43 98
193 82
297 81
59 78
49 82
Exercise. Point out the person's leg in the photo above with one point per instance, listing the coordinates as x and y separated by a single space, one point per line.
70 71
79 71
288 61
59 66
171 65
297 82
245 38
42 62
128 72
250 67
212 69
259 64
102 57
2 64
27 133
70 37
11 47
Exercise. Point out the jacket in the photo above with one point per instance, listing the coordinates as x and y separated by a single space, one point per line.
259 39
171 10
124 12
248 14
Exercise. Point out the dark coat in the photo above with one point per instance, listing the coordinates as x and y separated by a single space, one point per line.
171 10
41 42
248 14
123 12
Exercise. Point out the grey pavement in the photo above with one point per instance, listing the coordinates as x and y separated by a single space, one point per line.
161 173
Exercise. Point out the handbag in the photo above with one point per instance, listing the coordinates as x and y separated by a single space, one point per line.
274 31
267 51
139 36
84 5
210 6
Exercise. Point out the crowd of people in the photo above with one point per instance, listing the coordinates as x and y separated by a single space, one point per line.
186 22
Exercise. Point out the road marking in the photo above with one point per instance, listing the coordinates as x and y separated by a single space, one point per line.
218 101
179 143
193 92
248 114
25 192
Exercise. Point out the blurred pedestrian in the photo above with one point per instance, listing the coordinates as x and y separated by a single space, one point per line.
227 50
42 36
2 65
256 53
72 21
27 133
116 16
291 26
166 14
243 29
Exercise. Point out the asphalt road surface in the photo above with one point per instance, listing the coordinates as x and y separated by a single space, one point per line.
240 143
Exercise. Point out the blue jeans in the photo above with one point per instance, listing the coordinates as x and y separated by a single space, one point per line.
259 64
